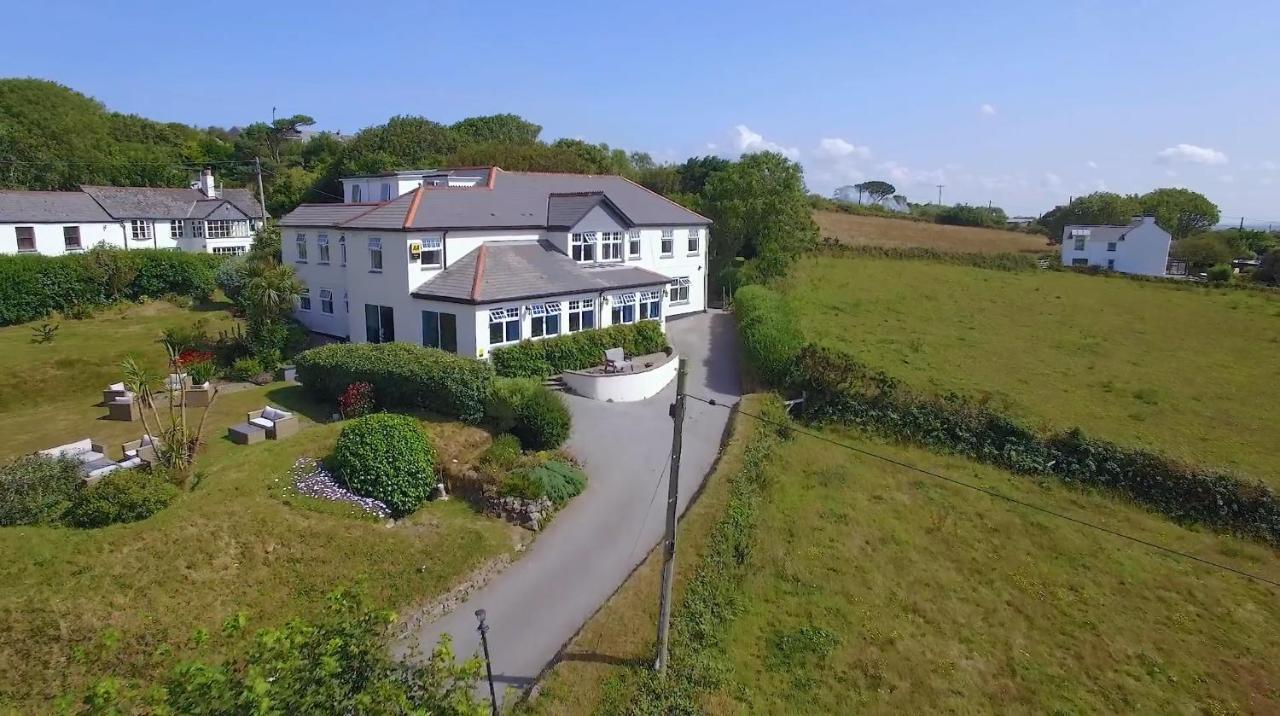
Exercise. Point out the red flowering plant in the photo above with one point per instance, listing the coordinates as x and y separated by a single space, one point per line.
198 365
356 400
191 356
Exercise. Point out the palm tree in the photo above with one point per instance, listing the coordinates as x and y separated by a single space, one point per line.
271 291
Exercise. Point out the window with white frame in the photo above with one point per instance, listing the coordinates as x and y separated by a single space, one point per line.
229 250
679 290
326 301
375 254
26 237
342 249
304 299
1112 245
611 246
633 244
299 241
355 193
141 230
582 315
175 229
624 308
197 229
322 247
1079 237
220 229
668 246
544 319
386 191
584 246
693 242
432 253
651 306
504 325
346 302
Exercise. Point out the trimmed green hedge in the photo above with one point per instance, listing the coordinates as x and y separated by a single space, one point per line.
402 375
37 489
576 351
387 457
838 388
32 286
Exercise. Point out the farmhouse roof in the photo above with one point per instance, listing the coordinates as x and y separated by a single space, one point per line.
40 207
1107 232
509 270
518 200
145 202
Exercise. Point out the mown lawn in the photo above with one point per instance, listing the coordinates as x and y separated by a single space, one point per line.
1188 372
75 604
899 233
875 590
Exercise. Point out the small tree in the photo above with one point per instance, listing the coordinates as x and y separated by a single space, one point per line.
877 190
176 438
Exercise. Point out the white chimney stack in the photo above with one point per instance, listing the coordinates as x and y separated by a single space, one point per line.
206 183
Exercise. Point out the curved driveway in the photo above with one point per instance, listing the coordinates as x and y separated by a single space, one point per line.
541 600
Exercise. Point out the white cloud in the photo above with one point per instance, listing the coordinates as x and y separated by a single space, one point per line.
1170 173
1191 154
987 110
1226 179
1051 180
1091 164
748 141
906 176
837 148
1268 166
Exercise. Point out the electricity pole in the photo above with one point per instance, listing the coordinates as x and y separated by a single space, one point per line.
940 193
262 198
669 541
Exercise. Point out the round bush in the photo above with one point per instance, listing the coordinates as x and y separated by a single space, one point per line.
36 489
120 496
542 421
387 457
505 399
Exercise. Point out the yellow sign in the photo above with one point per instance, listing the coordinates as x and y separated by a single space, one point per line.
415 250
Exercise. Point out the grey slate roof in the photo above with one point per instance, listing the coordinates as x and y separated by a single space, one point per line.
1102 232
40 207
142 202
564 211
527 269
324 214
519 200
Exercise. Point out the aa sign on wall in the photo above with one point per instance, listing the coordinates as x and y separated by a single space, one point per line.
415 250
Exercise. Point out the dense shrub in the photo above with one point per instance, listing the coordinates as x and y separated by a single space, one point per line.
402 375
771 336
36 489
245 369
35 286
387 457
1221 273
559 481
542 421
503 453
232 278
506 397
356 400
522 485
575 351
965 215
120 496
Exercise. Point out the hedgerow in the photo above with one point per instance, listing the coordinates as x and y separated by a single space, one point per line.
402 375
575 351
838 388
1006 261
33 286
771 337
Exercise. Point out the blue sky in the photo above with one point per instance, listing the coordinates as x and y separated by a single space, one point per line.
1023 104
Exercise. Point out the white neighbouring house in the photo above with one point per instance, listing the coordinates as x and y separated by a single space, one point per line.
202 218
471 259
1140 247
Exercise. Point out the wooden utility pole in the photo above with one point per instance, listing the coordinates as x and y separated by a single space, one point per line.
669 541
262 197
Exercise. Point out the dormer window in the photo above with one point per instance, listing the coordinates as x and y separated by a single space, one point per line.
584 246
611 246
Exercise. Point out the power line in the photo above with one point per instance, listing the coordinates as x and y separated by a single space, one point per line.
998 495
91 162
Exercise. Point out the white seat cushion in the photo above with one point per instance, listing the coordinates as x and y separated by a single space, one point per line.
271 413
131 462
118 387
262 423
104 470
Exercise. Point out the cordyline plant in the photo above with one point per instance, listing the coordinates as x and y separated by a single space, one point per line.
176 438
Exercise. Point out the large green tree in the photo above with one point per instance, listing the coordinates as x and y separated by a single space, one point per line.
875 189
761 213
1101 207
1203 251
497 129
1181 212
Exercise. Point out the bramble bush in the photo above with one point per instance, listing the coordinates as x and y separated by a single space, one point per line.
576 351
120 496
387 457
402 375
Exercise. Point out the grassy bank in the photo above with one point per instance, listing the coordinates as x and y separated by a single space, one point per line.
896 233
1189 374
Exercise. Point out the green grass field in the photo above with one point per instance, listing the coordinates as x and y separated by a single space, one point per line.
75 604
1191 373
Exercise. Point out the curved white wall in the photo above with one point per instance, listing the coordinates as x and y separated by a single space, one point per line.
622 387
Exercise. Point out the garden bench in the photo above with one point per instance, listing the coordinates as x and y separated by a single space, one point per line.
615 360
277 423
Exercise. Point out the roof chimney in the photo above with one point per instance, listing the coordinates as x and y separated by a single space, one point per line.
206 184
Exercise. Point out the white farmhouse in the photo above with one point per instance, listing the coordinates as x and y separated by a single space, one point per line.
1140 247
202 218
471 259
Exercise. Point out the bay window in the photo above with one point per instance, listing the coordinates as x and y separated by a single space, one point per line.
584 246
582 315
611 246
504 325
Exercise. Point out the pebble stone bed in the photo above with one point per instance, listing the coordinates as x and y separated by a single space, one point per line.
310 478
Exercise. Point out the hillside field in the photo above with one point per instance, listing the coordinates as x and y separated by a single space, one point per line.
1187 372
898 233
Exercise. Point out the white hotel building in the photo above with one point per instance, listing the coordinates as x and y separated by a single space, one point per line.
469 259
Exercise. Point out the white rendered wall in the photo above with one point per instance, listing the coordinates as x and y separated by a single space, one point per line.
622 387
49 237
1144 250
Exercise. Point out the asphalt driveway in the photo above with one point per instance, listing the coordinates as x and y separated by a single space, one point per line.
541 601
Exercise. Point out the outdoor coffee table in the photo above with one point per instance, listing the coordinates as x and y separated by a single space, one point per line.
246 434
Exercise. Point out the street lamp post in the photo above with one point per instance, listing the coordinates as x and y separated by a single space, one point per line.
488 665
